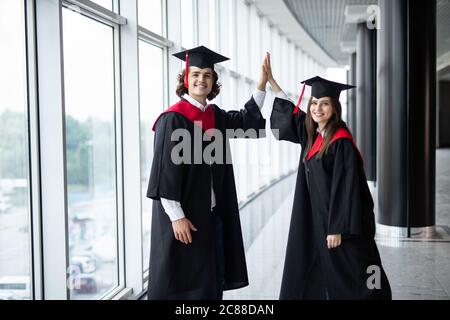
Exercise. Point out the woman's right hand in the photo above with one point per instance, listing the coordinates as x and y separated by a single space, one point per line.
267 66
263 79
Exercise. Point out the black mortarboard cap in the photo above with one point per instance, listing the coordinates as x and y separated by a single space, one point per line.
200 57
321 87
326 88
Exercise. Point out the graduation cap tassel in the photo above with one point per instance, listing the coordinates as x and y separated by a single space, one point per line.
297 108
186 76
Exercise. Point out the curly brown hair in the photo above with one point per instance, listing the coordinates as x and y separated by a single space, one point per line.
181 89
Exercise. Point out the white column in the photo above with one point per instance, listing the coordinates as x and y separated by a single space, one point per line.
131 147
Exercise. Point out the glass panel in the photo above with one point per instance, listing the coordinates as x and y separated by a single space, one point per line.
15 249
150 15
91 155
187 24
151 105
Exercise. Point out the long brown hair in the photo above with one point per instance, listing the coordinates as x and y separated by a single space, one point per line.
331 127
181 89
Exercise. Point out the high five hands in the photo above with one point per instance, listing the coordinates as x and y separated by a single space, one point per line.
267 68
182 228
263 78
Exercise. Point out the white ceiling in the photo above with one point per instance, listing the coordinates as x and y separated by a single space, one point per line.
324 20
280 16
318 26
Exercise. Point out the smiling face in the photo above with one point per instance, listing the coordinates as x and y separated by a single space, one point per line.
200 82
321 110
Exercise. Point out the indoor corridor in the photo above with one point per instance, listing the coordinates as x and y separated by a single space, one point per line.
417 268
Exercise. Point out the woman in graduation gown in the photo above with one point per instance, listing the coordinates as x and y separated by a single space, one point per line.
197 249
331 251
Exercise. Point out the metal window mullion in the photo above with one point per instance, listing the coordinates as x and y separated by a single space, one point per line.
52 158
130 140
216 25
154 38
232 39
116 6
166 78
248 33
164 19
119 162
173 11
91 8
35 205
202 22
195 23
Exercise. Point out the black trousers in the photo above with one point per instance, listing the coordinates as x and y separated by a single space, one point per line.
220 266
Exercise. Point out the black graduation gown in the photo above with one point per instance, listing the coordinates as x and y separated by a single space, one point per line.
176 270
337 201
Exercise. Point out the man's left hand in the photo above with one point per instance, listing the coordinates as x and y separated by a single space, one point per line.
334 241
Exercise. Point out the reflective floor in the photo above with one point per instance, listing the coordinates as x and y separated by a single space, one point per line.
417 268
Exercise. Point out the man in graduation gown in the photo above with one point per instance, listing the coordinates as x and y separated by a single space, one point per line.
196 242
332 201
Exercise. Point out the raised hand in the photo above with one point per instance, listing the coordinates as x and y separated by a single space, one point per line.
263 78
267 66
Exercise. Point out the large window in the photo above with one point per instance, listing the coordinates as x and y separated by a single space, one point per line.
15 249
91 155
79 113
150 15
151 105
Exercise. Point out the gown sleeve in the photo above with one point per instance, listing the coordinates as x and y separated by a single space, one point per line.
345 215
248 118
285 125
166 177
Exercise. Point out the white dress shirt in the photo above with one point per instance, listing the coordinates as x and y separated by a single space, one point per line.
173 208
283 95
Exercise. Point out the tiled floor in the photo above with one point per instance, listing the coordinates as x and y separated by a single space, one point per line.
421 269
416 269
